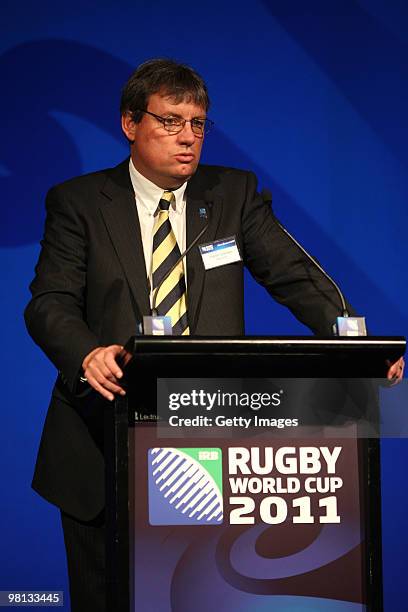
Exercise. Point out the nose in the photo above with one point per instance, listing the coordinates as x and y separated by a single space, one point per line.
186 136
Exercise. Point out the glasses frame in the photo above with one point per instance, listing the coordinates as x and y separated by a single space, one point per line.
207 123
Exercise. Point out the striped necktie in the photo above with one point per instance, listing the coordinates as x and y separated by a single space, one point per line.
171 299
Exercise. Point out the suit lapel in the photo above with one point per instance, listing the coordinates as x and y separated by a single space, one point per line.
196 221
120 215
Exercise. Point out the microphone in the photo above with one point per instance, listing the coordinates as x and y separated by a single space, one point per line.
155 324
345 325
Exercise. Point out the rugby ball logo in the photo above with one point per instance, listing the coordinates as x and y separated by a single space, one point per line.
185 486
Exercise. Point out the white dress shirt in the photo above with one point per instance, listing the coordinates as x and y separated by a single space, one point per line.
147 196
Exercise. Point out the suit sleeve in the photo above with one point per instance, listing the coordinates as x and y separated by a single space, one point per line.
56 315
280 266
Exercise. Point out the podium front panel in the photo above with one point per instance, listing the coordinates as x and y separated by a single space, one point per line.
251 518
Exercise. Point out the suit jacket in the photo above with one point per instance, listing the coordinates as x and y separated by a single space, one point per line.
90 290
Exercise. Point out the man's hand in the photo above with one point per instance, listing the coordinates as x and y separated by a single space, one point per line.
102 372
396 371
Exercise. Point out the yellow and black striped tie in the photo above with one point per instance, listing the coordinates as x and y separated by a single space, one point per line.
171 299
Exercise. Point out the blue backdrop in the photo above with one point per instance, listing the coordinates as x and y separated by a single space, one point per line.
313 96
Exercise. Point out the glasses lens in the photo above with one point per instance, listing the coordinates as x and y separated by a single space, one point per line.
173 124
199 126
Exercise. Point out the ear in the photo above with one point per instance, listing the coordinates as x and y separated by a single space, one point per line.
129 127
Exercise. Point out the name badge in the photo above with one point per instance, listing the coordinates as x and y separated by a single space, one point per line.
220 253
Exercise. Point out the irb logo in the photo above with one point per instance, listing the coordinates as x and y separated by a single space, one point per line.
185 486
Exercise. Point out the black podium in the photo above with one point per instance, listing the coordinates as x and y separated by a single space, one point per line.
195 516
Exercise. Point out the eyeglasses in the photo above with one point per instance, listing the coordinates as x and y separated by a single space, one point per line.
174 125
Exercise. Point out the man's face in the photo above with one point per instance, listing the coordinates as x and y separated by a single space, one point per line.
165 159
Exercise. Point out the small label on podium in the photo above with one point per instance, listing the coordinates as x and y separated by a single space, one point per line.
157 326
350 326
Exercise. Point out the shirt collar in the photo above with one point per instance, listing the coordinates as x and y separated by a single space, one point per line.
149 194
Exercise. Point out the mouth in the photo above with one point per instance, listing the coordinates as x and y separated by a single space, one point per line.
184 158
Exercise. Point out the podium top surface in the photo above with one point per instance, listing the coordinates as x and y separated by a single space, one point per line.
258 355
192 344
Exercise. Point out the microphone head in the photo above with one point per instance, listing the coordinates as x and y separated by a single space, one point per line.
266 195
205 211
208 196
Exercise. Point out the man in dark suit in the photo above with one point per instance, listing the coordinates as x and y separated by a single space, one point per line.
95 280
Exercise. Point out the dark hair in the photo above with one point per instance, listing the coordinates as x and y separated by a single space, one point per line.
162 75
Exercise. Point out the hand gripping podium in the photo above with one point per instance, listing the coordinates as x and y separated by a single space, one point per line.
243 474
